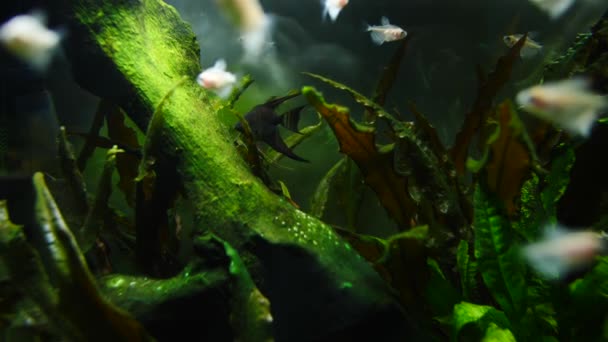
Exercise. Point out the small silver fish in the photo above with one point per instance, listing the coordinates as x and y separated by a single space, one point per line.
553 8
530 49
27 37
332 8
385 32
568 104
217 79
562 251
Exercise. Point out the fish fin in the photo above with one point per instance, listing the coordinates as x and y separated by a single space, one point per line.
549 265
274 102
331 11
276 142
384 21
377 37
528 52
224 92
582 123
220 64
291 118
576 84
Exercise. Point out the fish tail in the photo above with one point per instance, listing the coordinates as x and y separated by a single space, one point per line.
291 118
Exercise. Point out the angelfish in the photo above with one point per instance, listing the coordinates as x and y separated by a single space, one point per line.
562 251
568 104
263 121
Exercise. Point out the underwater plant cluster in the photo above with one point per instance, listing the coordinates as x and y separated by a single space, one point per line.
166 218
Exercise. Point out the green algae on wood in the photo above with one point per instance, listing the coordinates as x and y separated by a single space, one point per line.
151 48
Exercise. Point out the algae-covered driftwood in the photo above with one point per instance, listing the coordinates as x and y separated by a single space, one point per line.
134 52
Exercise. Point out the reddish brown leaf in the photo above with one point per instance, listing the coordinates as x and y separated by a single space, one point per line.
358 142
488 89
389 74
396 259
509 163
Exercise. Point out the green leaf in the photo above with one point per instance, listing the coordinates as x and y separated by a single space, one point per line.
585 312
474 165
557 181
467 269
496 334
531 215
369 105
441 295
498 258
471 319
319 198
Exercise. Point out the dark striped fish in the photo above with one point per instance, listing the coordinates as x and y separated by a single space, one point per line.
263 121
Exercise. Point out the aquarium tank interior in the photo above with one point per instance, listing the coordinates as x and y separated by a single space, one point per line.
313 170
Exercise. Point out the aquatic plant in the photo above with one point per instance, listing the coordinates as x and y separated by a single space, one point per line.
259 268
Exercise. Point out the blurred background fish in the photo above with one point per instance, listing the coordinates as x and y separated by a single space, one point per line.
217 79
530 49
27 37
332 8
562 251
568 104
255 25
553 8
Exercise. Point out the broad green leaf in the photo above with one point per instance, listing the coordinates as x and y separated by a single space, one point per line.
587 309
467 269
496 334
557 181
476 319
497 256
